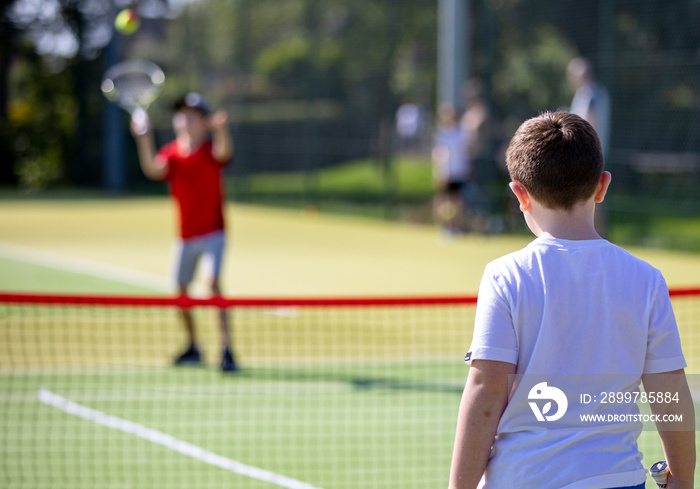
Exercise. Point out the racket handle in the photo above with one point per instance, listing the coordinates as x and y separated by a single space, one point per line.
659 472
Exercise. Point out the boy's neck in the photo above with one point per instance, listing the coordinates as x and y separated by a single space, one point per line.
574 224
187 143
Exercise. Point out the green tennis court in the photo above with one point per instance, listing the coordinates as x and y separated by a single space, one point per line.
332 397
329 397
361 436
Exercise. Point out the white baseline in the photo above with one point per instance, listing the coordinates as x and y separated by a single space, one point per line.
93 268
84 266
180 446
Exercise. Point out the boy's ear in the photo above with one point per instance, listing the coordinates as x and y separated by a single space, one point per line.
603 185
522 195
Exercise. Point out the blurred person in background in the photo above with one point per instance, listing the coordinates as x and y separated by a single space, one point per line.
483 135
451 171
591 100
192 164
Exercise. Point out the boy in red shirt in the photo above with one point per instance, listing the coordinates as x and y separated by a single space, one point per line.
192 165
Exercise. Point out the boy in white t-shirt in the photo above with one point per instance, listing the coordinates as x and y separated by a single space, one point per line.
570 315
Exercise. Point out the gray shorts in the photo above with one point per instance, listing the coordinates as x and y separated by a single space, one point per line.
210 248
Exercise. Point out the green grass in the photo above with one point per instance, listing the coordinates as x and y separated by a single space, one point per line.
410 178
664 231
359 187
341 432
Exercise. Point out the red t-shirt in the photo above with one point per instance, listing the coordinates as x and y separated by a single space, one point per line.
196 185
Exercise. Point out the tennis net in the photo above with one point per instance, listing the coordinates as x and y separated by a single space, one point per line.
332 393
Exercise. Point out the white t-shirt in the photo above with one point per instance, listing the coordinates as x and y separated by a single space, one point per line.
585 315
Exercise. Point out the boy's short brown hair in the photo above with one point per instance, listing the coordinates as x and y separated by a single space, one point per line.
557 157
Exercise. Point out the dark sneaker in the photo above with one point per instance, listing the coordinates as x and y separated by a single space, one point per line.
228 364
190 357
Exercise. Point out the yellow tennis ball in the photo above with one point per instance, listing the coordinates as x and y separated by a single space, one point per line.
127 21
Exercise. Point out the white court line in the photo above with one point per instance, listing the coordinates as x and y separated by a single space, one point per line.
180 446
93 268
114 273
84 266
278 389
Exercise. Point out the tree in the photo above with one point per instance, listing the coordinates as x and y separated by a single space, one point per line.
54 39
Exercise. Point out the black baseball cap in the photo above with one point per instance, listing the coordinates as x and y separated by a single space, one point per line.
192 100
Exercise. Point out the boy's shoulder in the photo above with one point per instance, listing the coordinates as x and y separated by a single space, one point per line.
168 149
544 250
570 267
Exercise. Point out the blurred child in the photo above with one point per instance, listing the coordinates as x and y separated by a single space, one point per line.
192 165
451 171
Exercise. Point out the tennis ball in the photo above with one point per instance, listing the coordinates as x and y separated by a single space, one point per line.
127 21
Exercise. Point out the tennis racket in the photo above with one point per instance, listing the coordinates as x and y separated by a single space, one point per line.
134 85
659 472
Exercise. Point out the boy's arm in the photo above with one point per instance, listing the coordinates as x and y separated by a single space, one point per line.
222 144
484 399
151 164
677 438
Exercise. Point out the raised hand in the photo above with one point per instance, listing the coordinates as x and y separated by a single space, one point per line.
140 123
218 120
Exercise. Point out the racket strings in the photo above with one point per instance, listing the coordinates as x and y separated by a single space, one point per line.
135 89
133 84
